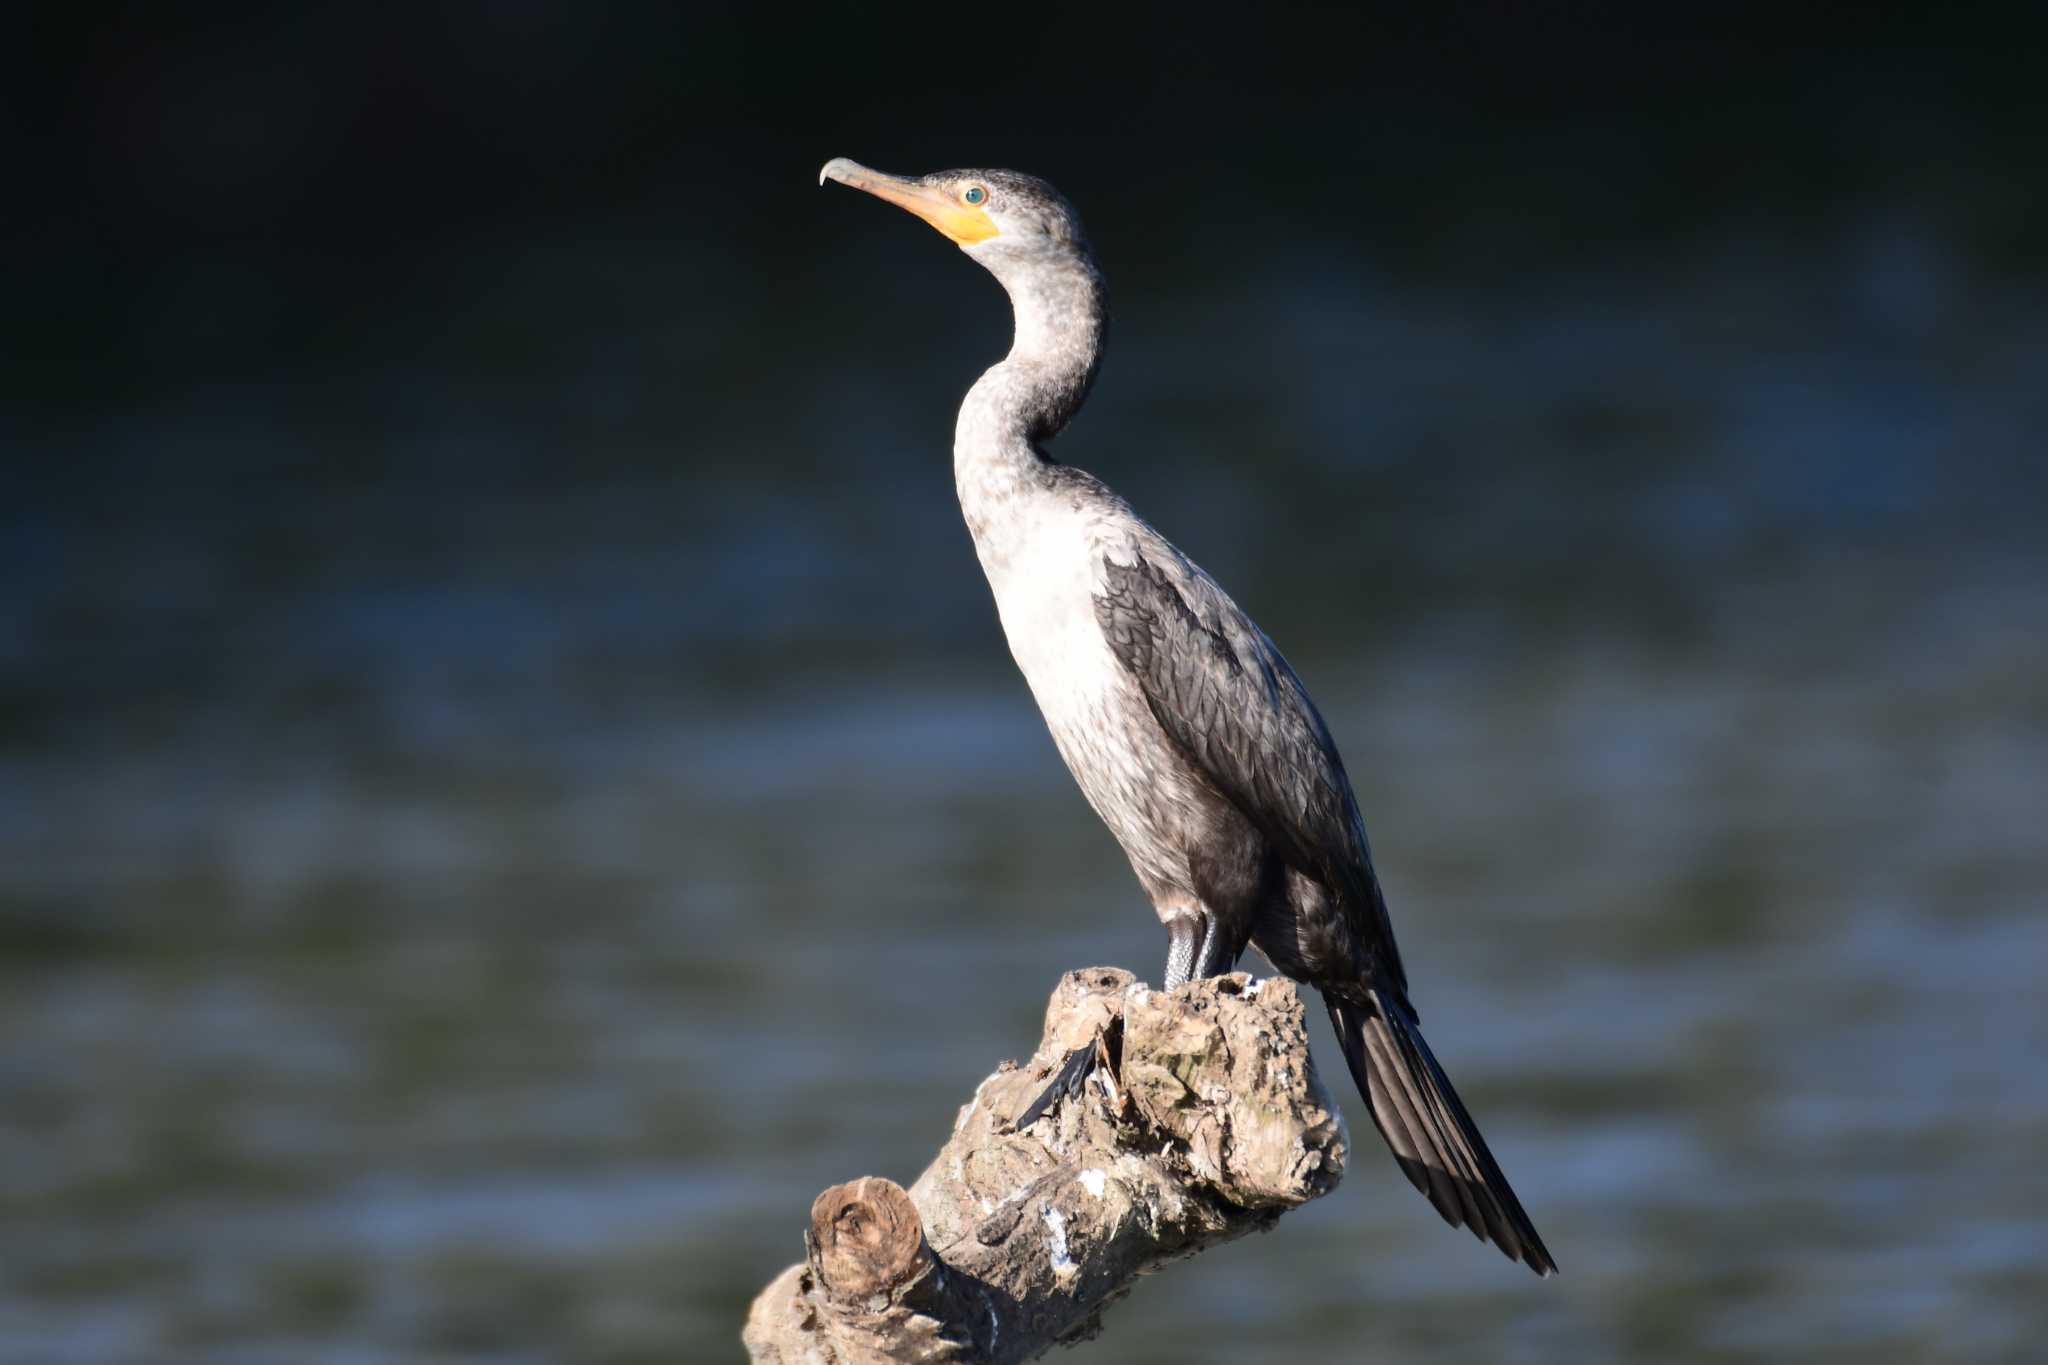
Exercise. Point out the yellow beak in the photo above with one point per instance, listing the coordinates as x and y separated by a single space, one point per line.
964 223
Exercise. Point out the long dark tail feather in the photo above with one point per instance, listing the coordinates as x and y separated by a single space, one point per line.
1425 1123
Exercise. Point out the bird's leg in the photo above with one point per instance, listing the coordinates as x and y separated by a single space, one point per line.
1186 935
1197 948
1216 956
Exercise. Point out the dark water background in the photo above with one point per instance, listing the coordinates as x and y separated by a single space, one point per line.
510 781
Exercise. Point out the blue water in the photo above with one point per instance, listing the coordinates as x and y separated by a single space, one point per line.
476 858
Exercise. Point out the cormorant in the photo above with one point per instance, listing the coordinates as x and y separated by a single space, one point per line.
1187 731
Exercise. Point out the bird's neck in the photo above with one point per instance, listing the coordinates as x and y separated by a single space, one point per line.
1024 400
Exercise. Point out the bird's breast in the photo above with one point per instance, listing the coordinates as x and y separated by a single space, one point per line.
1045 573
1042 570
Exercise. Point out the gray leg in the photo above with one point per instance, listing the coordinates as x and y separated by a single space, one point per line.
1185 936
1216 956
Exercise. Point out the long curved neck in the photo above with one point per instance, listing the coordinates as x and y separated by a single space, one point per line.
1025 399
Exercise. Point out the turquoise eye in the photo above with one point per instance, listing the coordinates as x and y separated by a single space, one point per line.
975 194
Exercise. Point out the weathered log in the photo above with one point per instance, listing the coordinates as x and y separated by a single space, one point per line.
1211 1124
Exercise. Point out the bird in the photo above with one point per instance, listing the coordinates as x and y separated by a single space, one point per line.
1186 729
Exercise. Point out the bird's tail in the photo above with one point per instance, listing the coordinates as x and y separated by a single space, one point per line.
1425 1123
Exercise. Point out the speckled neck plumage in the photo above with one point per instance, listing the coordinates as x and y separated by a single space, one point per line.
1023 401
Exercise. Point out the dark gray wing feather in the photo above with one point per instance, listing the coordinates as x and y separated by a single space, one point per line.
1232 706
1229 701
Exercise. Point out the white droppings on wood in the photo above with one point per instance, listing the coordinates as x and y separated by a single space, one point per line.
1056 1228
974 1103
1107 1083
1091 1181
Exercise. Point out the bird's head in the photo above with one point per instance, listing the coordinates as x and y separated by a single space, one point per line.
988 214
1024 233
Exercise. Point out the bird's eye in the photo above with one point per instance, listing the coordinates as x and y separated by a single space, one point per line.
974 194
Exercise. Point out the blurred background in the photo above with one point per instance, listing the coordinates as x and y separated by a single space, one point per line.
510 781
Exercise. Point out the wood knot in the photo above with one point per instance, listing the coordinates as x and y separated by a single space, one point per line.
866 1238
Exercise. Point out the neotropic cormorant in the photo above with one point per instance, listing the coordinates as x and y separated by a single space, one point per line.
1186 729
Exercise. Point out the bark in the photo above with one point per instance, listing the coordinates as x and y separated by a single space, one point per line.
1210 1124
